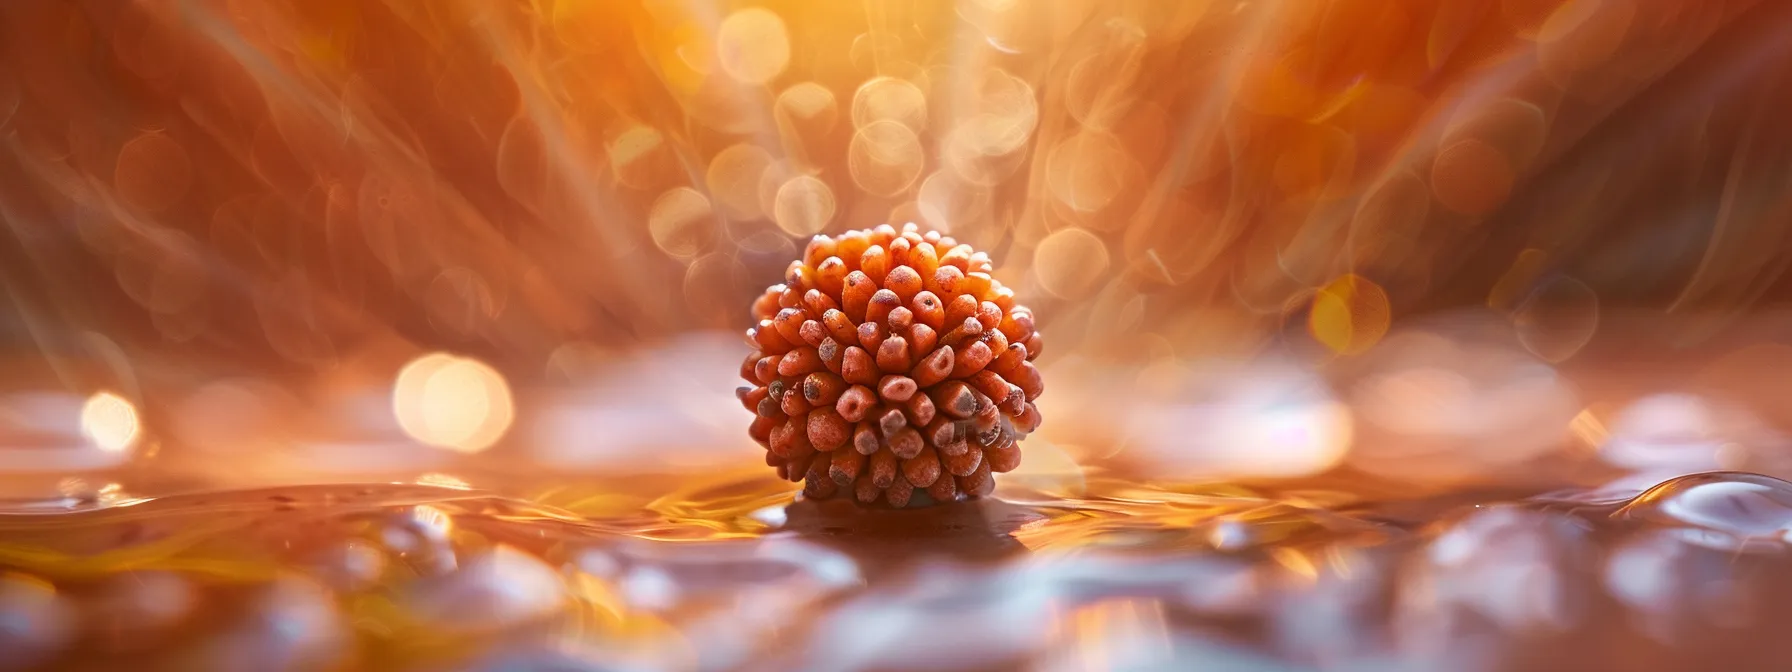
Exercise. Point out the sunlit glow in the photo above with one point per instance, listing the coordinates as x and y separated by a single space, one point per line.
1349 315
1439 409
1587 429
452 402
1679 433
443 481
110 422
1265 422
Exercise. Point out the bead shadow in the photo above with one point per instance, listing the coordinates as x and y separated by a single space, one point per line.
881 540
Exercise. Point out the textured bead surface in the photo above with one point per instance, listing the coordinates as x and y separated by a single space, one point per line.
895 356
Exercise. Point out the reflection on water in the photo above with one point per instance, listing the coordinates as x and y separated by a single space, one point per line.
730 573
1448 500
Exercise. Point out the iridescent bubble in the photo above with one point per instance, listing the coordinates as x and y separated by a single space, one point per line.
1071 263
804 206
889 99
884 158
1558 318
682 223
733 179
753 45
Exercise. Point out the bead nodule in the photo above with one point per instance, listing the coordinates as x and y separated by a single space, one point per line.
890 362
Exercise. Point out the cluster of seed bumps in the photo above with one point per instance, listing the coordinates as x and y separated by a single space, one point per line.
890 362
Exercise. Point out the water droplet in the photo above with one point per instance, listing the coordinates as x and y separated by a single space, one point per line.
501 588
1745 506
351 566
1670 584
1537 556
292 624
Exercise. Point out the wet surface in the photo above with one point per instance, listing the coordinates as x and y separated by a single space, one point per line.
731 573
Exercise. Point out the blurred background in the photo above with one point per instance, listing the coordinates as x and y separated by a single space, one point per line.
1368 322
1428 241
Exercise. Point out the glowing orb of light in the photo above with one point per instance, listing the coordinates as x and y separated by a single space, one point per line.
110 422
452 402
